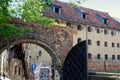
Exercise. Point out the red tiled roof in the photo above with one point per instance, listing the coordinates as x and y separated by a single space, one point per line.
69 13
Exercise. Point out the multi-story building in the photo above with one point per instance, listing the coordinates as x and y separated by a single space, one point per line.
101 30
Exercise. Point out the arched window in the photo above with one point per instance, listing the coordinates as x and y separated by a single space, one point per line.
89 42
113 57
118 45
89 29
106 57
105 32
89 56
112 33
98 56
79 27
98 30
40 53
113 45
79 40
118 57
98 43
105 44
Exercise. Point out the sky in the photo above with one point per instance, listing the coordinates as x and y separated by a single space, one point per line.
112 7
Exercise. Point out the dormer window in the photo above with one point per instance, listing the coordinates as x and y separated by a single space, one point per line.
81 13
56 9
105 21
102 19
84 15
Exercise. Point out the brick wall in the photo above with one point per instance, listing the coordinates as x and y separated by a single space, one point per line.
103 65
102 78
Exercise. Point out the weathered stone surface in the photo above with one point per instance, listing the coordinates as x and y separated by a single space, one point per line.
58 39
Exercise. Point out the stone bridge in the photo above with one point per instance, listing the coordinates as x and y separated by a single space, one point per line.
57 41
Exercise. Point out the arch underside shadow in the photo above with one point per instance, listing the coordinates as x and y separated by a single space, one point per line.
51 52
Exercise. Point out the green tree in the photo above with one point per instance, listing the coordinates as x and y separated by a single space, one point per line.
31 11
7 30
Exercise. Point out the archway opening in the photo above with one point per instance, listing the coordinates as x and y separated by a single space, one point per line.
29 60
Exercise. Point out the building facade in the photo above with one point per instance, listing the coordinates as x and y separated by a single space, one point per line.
99 28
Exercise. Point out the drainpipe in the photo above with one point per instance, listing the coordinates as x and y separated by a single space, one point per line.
87 51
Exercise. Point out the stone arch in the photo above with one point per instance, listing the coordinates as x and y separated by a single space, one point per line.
58 40
52 53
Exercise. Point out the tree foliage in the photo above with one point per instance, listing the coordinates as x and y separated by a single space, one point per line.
31 11
6 30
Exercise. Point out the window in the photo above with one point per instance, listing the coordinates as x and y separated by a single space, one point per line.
105 21
118 45
113 57
57 21
105 44
102 19
98 30
89 42
79 27
40 53
112 33
81 14
89 29
106 57
68 24
79 40
84 15
105 32
113 45
118 57
98 43
56 9
89 56
98 56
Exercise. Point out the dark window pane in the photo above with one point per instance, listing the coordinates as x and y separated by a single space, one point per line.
69 24
105 32
113 45
89 56
84 16
79 40
98 56
89 42
113 57
79 27
98 30
105 44
89 29
106 57
56 10
118 57
112 33
98 43
118 45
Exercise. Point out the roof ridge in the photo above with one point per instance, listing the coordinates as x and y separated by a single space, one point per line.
75 6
